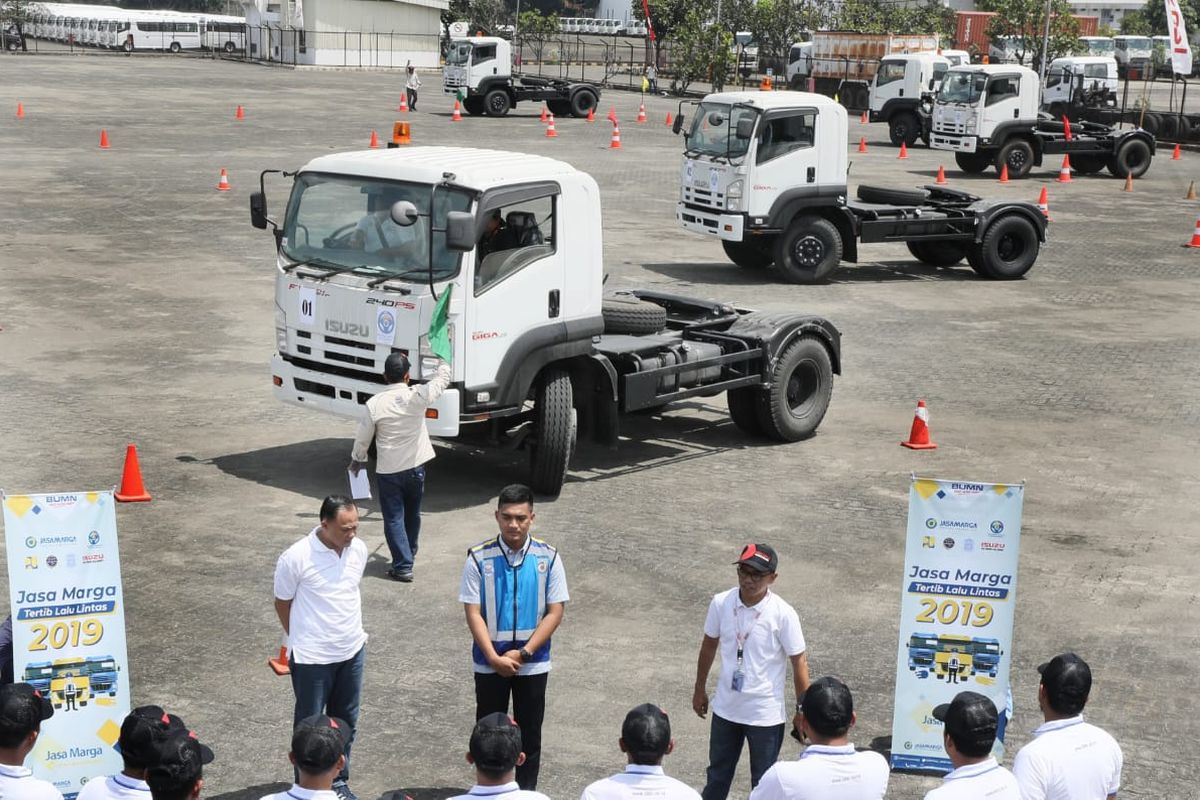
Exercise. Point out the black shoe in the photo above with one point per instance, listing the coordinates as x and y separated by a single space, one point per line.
343 791
403 577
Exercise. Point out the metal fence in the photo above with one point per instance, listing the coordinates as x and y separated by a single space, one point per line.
352 49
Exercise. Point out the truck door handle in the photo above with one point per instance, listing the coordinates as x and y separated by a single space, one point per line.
901 93
812 174
553 303
1016 113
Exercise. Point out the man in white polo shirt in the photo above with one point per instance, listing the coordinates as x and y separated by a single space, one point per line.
318 745
1068 759
645 739
318 602
969 732
757 633
829 768
22 712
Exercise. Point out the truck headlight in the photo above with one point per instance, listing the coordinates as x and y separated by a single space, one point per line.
733 195
280 330
971 124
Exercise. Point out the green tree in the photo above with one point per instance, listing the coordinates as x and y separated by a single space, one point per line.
16 13
536 29
778 24
457 11
1024 21
668 16
700 51
885 16
1155 15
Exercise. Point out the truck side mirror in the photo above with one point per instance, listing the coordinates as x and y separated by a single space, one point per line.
931 82
460 231
745 128
404 213
258 210
677 125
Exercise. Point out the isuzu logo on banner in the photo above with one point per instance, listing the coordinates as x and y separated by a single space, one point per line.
1181 48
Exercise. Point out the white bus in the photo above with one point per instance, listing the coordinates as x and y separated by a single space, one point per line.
173 33
223 33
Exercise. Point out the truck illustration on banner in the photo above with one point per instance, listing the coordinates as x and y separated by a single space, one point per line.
953 657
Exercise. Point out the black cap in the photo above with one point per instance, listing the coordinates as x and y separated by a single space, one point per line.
317 743
828 707
181 759
647 733
142 733
758 557
22 709
1068 682
971 721
496 744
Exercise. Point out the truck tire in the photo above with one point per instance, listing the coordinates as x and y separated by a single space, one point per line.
801 385
473 105
747 256
1168 127
1087 165
629 314
497 103
174 47
554 427
892 197
904 127
1008 249
972 163
1132 158
743 409
938 254
1151 123
559 108
1018 155
808 250
582 102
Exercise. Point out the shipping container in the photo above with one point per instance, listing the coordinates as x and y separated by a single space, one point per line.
971 32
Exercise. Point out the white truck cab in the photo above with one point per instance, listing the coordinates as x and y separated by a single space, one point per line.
799 64
977 103
472 60
1133 53
900 82
956 57
1067 77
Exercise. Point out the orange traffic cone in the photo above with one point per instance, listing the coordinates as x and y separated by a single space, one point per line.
616 138
903 150
1064 174
918 437
641 117
223 183
20 111
1195 242
374 139
132 490
1044 203
103 139
1191 193
545 113
1128 183
591 117
1004 173
550 131
612 115
670 121
403 107
240 113
862 144
941 178
863 119
279 664
457 115
1177 155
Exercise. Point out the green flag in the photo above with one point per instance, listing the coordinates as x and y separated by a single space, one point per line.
439 330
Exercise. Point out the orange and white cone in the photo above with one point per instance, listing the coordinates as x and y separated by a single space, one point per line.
615 144
863 119
1178 154
1064 174
1004 173
403 107
862 144
670 119
591 117
223 183
1043 203
457 115
903 150
941 176
545 115
641 117
918 437
1195 242
550 131
374 140
612 115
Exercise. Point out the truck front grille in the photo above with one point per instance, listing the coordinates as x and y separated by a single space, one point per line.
703 197
951 128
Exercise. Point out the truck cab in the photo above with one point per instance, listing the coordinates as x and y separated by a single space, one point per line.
1133 53
474 62
956 57
979 104
900 82
1003 50
799 65
1069 77
479 71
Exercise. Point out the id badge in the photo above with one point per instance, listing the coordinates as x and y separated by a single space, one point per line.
739 679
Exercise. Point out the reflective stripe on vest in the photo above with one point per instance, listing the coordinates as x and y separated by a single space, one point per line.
513 596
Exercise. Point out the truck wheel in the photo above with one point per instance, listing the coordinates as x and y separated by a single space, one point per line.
1018 155
1151 123
629 314
801 384
1087 165
1132 158
1168 127
743 409
582 102
808 250
1008 249
904 127
972 163
560 108
497 103
553 432
473 105
747 256
174 47
938 254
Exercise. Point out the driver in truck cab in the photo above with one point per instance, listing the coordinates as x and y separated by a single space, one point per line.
376 233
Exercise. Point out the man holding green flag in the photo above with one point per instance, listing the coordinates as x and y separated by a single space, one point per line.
395 420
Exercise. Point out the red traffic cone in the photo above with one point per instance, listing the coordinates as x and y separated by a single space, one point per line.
862 144
374 140
591 117
103 139
1044 203
903 150
457 115
670 121
615 144
1064 174
403 107
240 113
1128 183
1175 156
1066 128
641 117
550 131
279 664
1004 173
863 119
545 113
223 183
918 438
612 115
941 178
132 489
21 114
1195 242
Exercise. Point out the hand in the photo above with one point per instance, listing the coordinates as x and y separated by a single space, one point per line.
514 655
505 667
798 729
700 702
356 467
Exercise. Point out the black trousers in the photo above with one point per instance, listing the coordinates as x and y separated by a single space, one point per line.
528 709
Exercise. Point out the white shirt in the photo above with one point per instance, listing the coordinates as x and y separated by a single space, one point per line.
114 787
986 780
506 791
826 772
326 619
771 633
395 419
414 81
298 792
640 782
1069 759
18 783
556 592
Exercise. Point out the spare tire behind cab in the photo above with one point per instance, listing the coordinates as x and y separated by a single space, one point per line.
626 313
892 197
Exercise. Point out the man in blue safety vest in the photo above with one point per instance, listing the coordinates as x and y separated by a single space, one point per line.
514 590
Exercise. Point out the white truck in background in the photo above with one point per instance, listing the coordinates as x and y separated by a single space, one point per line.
1133 53
843 63
479 69
901 83
1070 79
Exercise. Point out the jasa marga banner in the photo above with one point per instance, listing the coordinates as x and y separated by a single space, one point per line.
956 609
64 577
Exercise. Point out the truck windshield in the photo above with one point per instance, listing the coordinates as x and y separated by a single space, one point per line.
714 130
1101 47
962 87
344 223
459 54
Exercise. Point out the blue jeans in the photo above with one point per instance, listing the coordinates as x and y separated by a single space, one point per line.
725 748
333 689
400 503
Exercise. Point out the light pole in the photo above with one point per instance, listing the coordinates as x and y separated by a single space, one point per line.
1045 44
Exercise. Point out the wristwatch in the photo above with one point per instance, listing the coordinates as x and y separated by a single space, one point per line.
799 707
525 655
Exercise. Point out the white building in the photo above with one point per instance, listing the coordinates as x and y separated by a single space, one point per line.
1110 12
385 34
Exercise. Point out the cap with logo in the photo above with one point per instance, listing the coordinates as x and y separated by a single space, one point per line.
758 557
22 709
1068 681
181 759
647 733
318 742
142 734
971 720
496 743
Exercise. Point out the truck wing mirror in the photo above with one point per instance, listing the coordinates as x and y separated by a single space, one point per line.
460 231
931 82
677 125
745 128
404 213
258 210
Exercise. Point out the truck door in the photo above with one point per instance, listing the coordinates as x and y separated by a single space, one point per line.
518 279
785 159
1002 102
890 83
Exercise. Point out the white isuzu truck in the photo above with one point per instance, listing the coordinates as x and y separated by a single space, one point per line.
370 240
480 70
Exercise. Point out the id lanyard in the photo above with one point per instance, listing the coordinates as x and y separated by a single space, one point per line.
739 676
